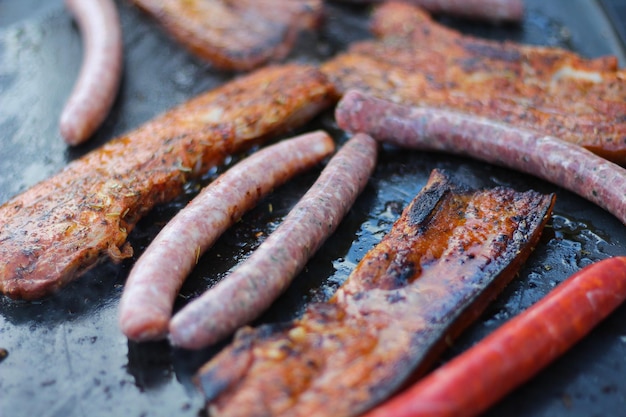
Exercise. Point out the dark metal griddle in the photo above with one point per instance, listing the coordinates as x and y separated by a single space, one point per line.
66 355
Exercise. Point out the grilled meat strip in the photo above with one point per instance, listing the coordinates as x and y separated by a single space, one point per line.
452 250
417 61
62 226
235 34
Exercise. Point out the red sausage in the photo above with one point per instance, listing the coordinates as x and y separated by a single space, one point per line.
153 283
476 379
562 163
255 284
100 72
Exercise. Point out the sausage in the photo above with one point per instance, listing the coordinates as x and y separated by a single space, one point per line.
251 288
564 164
153 283
490 10
99 78
512 354
494 10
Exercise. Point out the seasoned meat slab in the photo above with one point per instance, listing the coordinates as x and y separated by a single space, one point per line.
417 61
60 227
452 251
235 34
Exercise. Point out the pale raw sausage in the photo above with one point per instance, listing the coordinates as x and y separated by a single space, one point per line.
490 10
99 78
153 283
255 284
564 164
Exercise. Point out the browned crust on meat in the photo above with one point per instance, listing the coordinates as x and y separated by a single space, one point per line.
235 34
62 226
448 255
417 61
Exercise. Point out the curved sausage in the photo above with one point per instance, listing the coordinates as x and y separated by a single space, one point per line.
564 164
473 381
101 70
153 283
255 284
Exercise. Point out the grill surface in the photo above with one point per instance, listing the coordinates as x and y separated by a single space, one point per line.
66 356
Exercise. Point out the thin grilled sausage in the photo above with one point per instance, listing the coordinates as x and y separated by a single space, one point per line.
512 354
564 164
151 288
101 70
255 284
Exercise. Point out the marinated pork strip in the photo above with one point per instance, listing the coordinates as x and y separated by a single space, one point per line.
417 61
490 10
564 164
101 70
153 283
254 285
451 251
235 34
60 227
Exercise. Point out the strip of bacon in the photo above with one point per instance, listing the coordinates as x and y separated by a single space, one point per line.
450 253
62 226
